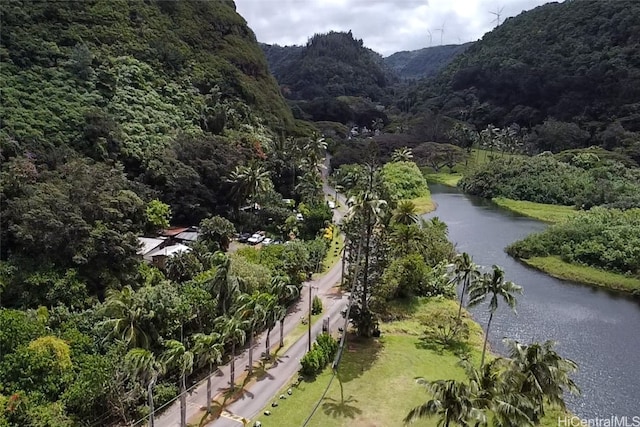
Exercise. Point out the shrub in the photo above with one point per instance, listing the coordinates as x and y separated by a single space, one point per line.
323 351
316 305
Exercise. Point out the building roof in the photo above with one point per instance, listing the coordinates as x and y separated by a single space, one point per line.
173 231
148 244
190 236
171 250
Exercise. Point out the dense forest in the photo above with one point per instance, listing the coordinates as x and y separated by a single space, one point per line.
425 62
568 68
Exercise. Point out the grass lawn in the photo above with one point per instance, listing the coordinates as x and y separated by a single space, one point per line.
375 386
541 211
556 267
450 179
335 250
424 204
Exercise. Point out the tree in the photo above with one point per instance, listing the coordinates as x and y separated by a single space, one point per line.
248 181
285 293
157 215
176 355
142 364
453 403
273 312
126 318
405 213
208 350
403 154
493 285
232 331
252 311
222 285
466 273
367 209
541 374
216 232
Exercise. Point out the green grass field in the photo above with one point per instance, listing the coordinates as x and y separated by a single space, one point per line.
335 251
541 211
554 266
375 385
424 204
449 179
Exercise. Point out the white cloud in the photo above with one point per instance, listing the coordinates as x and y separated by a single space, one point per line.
386 26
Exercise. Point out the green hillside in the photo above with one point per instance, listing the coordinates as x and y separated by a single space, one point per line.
426 62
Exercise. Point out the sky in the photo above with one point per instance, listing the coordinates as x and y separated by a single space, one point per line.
386 26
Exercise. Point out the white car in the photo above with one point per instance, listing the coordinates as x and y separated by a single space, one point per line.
255 239
267 241
299 217
332 204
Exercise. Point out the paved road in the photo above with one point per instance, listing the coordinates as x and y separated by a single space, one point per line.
264 390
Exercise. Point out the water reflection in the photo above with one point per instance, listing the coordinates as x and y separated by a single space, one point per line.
598 329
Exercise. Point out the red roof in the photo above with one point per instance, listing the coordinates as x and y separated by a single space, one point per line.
173 231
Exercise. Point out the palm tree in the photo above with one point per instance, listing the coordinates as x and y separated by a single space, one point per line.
541 374
223 286
232 332
466 272
176 355
208 350
406 239
403 154
285 293
369 209
143 365
493 284
405 213
126 318
249 180
253 312
453 403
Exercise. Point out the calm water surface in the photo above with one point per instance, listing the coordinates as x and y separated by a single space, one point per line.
597 329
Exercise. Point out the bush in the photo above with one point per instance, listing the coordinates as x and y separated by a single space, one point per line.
316 305
323 351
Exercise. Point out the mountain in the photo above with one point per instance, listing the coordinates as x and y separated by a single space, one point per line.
160 87
332 64
426 62
572 67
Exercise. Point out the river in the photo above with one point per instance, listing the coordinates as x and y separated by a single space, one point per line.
597 329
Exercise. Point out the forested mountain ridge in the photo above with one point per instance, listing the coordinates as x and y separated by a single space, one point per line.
332 64
575 64
425 62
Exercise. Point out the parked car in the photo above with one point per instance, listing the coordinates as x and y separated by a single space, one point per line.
332 204
255 239
299 217
242 238
267 241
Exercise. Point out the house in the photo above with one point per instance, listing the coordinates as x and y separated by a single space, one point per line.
160 256
148 245
190 235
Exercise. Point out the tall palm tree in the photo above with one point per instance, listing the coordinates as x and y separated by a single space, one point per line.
466 273
233 333
143 365
403 154
493 285
367 208
126 318
223 286
452 402
252 311
405 213
285 293
272 313
541 374
208 350
406 239
177 356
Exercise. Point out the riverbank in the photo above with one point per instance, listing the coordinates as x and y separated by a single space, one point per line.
424 204
556 267
375 384
541 211
448 179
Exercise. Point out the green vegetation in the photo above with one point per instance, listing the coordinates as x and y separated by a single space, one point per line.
529 71
322 352
541 211
403 180
449 179
556 267
584 182
606 239
426 62
390 363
